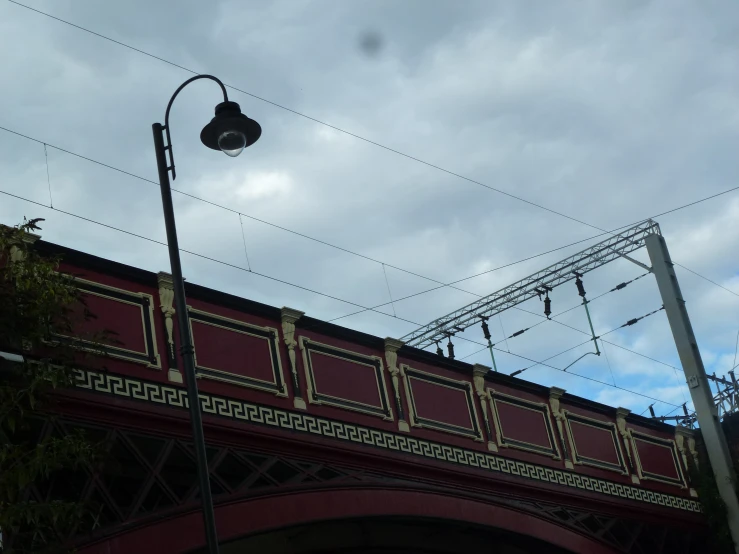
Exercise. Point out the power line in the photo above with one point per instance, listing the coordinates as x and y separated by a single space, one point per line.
48 177
203 256
536 362
384 147
627 324
209 258
346 250
451 285
308 237
706 278
339 129
389 293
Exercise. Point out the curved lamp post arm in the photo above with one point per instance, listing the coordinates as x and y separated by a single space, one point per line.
169 107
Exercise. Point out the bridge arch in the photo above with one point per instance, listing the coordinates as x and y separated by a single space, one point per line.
259 520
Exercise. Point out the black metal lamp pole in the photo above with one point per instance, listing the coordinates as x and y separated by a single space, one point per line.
229 131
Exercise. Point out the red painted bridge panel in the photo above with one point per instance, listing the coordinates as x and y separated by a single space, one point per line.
594 443
441 403
523 424
232 351
345 379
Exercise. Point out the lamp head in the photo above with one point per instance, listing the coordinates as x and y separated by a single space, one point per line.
230 131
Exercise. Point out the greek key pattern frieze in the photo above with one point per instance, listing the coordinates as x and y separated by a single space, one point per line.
135 389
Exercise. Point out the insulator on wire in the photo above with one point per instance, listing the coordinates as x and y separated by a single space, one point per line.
685 409
450 347
439 351
547 306
580 287
486 330
651 410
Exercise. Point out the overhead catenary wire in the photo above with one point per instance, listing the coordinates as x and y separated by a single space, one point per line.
617 287
554 320
389 292
364 309
243 236
198 255
705 278
605 355
627 324
240 214
349 133
303 235
500 320
536 362
346 250
307 289
48 176
520 332
315 120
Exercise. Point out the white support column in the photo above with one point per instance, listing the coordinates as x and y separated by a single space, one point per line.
166 299
555 393
391 357
289 317
695 373
479 372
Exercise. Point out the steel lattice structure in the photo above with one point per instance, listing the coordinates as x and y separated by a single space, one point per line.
616 246
726 399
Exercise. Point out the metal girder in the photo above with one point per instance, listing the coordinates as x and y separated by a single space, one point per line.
614 247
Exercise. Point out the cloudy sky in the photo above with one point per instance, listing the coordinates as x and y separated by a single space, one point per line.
609 112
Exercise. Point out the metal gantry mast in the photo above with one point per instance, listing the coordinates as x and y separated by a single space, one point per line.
593 257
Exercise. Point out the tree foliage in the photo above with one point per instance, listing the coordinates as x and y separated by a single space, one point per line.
37 303
714 509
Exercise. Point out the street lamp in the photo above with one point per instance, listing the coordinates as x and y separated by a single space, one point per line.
229 131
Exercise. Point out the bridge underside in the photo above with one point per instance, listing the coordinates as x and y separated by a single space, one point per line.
388 535
295 501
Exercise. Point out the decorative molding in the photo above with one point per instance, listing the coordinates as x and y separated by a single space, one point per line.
143 301
351 434
289 317
606 426
391 357
682 433
16 254
625 433
478 378
541 408
472 432
693 451
555 393
268 334
166 300
664 443
309 346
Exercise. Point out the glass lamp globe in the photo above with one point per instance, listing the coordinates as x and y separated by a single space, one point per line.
232 143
